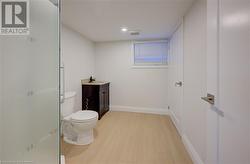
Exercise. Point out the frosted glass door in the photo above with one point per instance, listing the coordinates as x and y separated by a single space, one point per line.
30 90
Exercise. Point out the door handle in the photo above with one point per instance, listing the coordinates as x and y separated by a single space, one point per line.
62 84
210 99
178 83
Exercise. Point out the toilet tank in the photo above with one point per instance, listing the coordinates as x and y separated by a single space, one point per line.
67 107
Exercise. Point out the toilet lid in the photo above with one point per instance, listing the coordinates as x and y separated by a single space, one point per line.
84 115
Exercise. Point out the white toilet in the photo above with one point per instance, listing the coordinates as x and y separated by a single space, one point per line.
77 127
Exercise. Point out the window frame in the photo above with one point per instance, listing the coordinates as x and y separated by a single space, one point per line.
156 66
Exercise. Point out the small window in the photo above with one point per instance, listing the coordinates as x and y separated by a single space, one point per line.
150 53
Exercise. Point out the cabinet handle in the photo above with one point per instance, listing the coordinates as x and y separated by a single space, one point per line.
87 104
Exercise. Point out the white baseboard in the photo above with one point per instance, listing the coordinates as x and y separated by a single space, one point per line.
160 111
176 122
191 150
188 145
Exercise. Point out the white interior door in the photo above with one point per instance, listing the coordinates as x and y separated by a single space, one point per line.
228 78
234 82
176 77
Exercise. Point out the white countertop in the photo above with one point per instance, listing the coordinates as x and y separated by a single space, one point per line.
86 82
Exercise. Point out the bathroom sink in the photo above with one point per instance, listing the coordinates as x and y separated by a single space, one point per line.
96 82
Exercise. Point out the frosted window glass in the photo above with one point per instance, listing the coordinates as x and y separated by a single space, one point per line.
151 53
29 109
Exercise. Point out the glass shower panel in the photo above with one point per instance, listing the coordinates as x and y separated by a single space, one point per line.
29 74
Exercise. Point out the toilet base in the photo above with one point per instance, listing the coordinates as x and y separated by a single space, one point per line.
84 138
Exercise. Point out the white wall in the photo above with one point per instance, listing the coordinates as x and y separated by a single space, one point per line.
194 111
78 55
131 89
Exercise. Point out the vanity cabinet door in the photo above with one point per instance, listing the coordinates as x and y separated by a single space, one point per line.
96 98
90 99
104 99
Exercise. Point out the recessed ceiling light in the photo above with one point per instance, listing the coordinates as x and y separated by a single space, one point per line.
124 29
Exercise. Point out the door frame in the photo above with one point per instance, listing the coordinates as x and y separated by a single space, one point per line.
213 49
178 122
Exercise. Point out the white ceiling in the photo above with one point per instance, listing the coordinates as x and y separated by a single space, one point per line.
101 20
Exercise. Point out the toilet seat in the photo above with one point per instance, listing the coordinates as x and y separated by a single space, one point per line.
83 116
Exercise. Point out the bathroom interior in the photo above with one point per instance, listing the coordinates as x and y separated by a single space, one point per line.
123 82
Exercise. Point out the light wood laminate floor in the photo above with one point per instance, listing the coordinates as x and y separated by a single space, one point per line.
130 138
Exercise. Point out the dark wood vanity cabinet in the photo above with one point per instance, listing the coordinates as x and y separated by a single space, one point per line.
96 97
